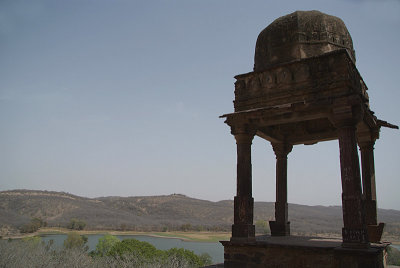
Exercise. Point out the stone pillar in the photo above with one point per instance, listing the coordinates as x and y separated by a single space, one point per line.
369 191
354 231
368 178
243 228
281 225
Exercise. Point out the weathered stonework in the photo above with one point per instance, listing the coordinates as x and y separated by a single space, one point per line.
299 254
305 88
299 35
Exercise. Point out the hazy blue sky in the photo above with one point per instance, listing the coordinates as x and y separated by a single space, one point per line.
121 97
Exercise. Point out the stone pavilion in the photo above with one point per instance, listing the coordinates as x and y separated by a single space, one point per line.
305 88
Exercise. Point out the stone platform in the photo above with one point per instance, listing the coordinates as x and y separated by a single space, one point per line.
301 252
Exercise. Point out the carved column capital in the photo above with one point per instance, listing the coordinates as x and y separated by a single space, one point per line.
244 134
366 138
281 149
366 145
244 138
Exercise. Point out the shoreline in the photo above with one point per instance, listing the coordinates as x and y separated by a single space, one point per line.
184 236
191 236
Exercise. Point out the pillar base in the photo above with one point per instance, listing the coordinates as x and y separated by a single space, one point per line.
355 238
375 232
243 232
279 229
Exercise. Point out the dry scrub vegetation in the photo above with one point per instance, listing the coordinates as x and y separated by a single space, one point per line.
127 253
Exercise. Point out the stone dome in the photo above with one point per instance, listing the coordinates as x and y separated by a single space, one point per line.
299 35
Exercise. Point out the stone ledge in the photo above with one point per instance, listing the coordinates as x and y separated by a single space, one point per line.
301 252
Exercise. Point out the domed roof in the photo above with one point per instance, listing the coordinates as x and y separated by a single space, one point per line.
299 35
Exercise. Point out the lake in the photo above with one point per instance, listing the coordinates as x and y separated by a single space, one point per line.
215 250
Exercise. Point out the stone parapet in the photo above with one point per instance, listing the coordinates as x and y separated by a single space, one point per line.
301 252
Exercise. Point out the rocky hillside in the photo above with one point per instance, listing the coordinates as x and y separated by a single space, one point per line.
171 212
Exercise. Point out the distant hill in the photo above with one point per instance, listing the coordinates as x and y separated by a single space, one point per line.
156 213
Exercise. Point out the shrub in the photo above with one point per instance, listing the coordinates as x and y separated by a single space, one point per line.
142 249
185 255
145 253
19 253
105 244
186 227
262 226
205 259
76 224
33 225
74 240
39 222
35 240
393 256
28 228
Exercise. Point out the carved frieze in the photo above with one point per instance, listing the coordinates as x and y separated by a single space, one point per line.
284 76
268 80
301 73
307 80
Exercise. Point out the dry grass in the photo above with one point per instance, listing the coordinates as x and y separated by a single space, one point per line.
186 236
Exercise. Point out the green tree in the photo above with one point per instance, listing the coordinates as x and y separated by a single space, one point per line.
33 225
393 256
123 227
105 244
145 253
39 222
186 227
262 227
185 256
206 259
76 224
28 228
142 249
74 240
